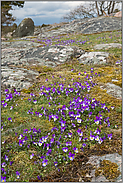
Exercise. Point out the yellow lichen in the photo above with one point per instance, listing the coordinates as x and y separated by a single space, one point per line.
101 95
108 73
108 169
25 91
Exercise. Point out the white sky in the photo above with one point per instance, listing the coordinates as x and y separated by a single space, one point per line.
47 12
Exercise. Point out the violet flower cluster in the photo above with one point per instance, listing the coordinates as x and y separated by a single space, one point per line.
56 146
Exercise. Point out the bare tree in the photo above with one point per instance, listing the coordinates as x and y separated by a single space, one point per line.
107 7
79 12
95 8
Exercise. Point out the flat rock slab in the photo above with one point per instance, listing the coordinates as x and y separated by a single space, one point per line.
93 58
19 44
107 46
24 52
84 26
16 55
101 24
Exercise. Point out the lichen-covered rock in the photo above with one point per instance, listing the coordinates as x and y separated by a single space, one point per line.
25 28
93 58
107 46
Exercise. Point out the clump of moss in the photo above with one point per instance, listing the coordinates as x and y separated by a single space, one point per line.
26 91
108 73
104 97
42 69
119 82
42 74
108 169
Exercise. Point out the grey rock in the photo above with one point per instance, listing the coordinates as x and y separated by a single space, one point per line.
93 58
59 54
84 26
106 46
20 78
112 89
25 28
101 24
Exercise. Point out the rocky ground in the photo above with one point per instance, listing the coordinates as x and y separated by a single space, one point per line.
16 56
21 53
85 26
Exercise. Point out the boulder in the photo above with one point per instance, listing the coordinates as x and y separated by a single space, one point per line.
25 28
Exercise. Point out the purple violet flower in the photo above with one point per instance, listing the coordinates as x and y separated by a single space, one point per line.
31 156
65 149
55 163
39 177
17 174
44 162
3 179
109 136
10 119
75 150
69 143
71 156
91 137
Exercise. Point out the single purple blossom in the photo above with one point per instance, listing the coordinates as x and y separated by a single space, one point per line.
44 162
91 137
75 150
10 119
109 136
3 179
3 164
17 174
2 169
31 156
11 162
39 177
49 152
6 158
65 149
55 163
71 156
